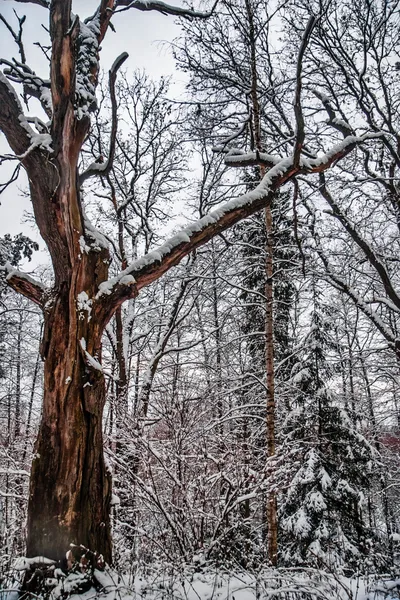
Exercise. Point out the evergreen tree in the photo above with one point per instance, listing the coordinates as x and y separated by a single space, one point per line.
322 518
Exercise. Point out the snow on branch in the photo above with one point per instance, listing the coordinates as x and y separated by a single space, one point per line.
24 284
13 122
338 124
162 7
33 85
150 267
89 359
238 158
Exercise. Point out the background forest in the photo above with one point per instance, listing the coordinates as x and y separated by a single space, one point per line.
253 394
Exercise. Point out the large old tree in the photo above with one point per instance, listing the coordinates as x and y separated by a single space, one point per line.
70 488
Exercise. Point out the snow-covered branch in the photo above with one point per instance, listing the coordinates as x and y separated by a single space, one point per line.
150 267
13 123
162 7
24 284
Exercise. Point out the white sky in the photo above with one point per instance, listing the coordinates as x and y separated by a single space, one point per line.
141 34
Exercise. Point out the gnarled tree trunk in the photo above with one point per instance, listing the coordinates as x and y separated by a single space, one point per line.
70 487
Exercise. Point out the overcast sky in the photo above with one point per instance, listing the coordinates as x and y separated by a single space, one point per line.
141 34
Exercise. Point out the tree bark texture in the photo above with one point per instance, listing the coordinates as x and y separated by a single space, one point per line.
70 488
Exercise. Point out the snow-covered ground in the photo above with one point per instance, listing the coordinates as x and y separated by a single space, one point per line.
216 585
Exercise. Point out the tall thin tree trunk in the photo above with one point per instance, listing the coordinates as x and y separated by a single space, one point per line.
121 395
271 509
17 422
218 391
272 518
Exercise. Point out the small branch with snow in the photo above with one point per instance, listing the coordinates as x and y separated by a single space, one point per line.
33 85
237 158
89 359
13 123
338 124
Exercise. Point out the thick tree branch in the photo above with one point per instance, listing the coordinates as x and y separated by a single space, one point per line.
33 85
165 9
25 285
12 118
152 266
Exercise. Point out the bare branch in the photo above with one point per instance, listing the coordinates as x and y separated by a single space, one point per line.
298 111
12 178
17 36
98 168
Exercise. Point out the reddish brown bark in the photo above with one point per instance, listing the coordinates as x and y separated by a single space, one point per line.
70 488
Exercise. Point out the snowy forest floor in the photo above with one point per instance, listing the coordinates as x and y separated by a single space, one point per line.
277 584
